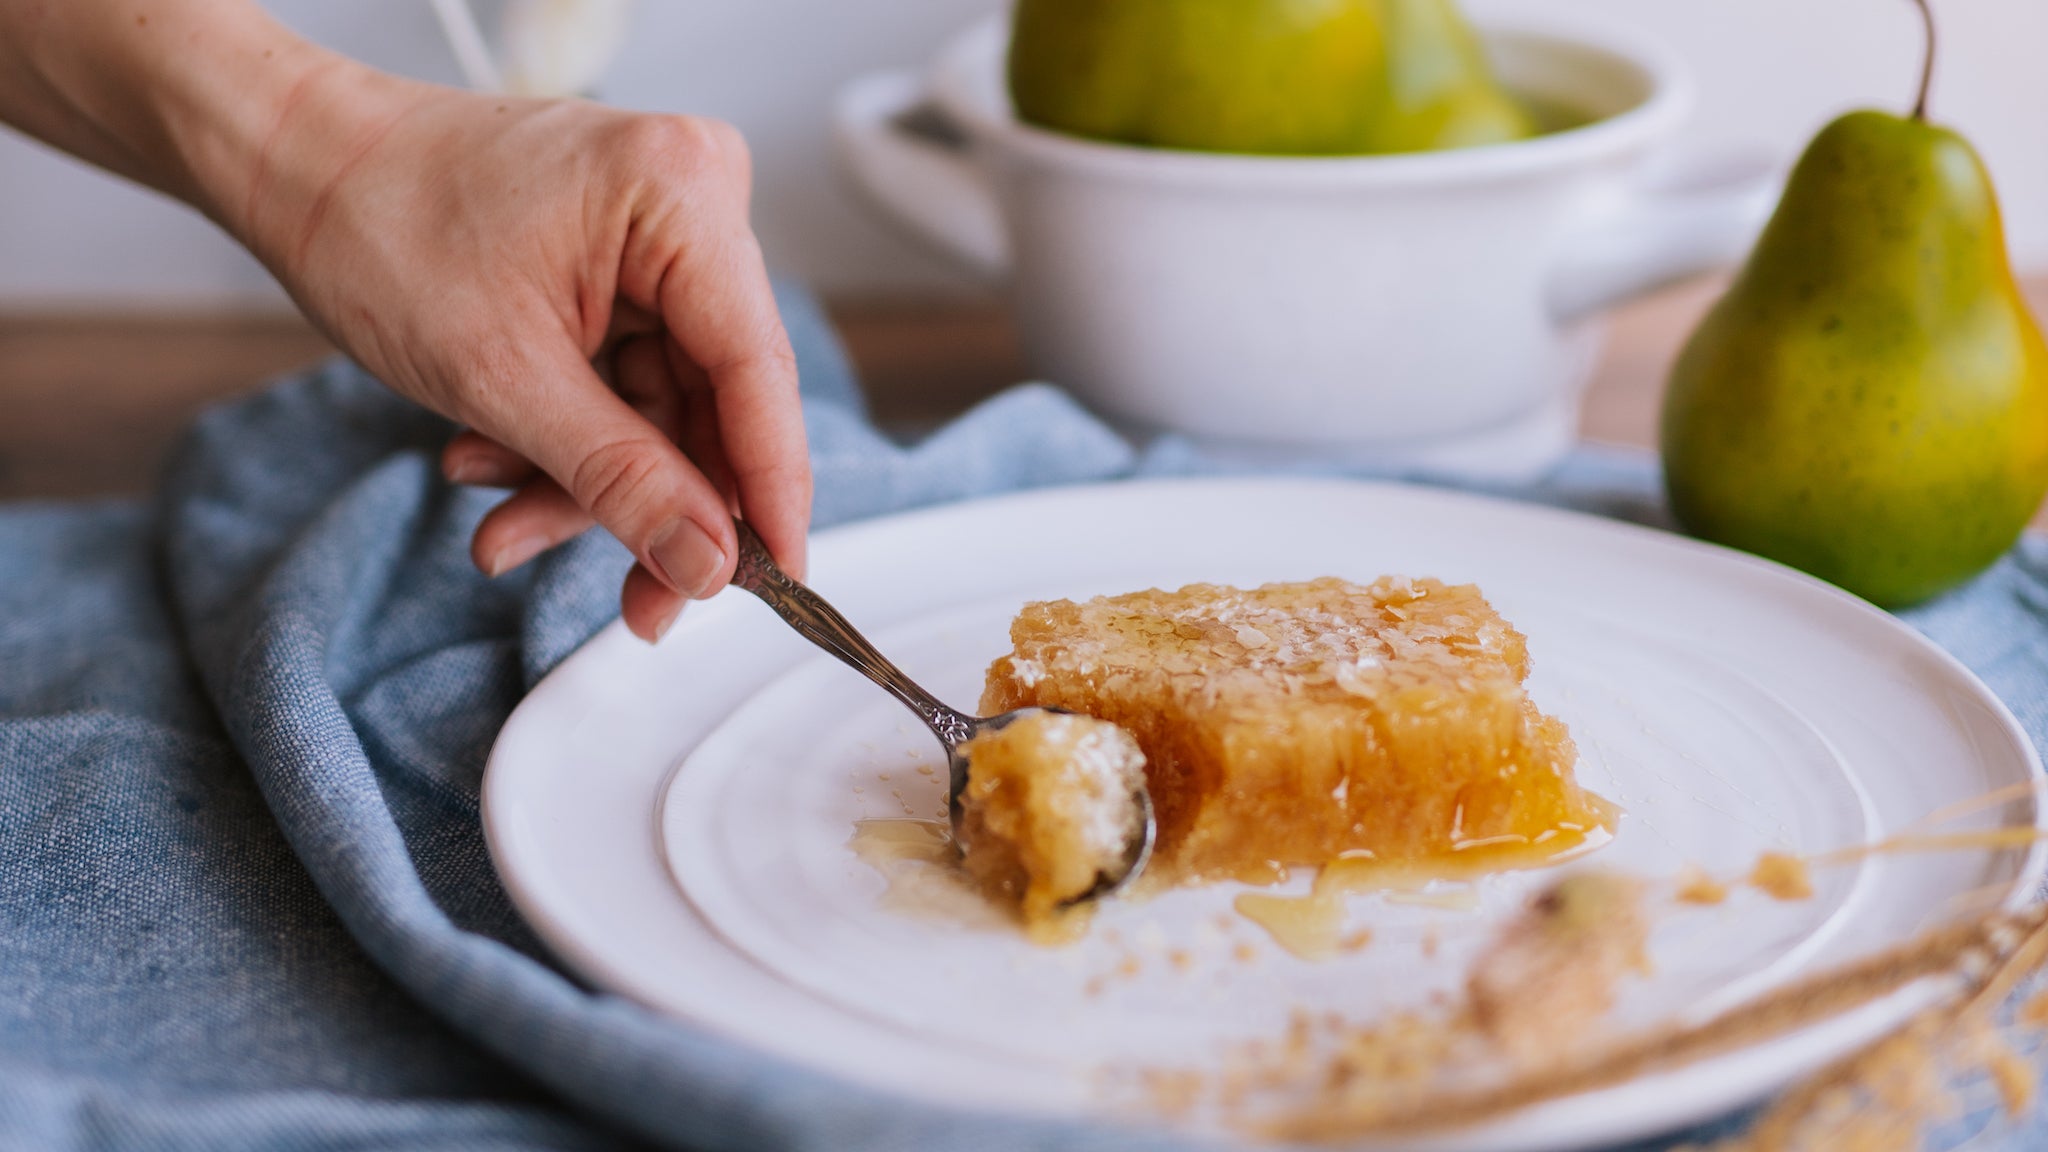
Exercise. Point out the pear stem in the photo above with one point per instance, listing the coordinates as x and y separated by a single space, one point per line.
1926 64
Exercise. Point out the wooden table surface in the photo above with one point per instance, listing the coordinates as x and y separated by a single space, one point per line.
89 403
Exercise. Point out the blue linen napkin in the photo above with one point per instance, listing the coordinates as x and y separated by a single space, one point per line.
244 896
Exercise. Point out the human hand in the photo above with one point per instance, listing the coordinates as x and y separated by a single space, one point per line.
576 284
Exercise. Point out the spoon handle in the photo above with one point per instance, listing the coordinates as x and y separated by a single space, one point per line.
821 624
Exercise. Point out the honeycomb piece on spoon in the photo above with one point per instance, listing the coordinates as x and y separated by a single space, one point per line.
1049 807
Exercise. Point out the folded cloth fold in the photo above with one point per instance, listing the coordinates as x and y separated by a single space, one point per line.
244 896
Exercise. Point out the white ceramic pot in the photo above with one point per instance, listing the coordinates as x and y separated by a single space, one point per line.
1427 309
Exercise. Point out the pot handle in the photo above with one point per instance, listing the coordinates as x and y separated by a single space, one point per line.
1685 215
913 165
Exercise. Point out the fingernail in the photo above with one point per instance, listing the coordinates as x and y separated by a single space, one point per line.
514 554
662 626
686 559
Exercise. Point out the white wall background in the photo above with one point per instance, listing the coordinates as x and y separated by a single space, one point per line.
1769 71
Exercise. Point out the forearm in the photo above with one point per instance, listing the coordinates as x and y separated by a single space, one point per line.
210 101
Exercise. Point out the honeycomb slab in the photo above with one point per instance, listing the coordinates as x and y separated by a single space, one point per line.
1314 723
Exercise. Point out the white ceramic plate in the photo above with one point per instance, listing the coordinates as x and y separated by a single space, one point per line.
674 820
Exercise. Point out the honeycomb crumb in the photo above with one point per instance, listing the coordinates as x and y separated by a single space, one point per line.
2033 1012
1558 964
1325 1066
1696 887
2013 1076
1782 876
1048 808
1174 1093
1405 1051
1294 723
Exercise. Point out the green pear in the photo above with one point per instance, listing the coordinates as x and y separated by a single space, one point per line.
1272 76
1285 77
1869 401
1441 92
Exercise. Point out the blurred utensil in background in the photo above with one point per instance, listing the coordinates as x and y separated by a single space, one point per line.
544 48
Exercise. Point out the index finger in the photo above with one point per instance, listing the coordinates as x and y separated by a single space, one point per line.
721 311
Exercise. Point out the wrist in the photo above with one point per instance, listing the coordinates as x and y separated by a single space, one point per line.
264 147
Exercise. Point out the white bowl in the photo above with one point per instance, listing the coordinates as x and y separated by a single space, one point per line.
1423 309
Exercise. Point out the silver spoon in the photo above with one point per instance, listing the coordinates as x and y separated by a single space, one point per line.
821 624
